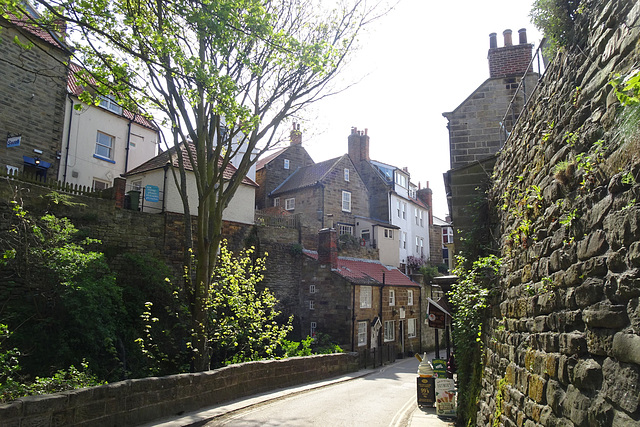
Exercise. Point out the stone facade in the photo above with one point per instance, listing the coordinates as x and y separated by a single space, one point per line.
563 340
32 100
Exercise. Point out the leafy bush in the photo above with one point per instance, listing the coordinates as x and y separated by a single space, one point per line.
554 18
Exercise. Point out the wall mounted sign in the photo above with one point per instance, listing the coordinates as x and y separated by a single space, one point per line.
151 193
13 141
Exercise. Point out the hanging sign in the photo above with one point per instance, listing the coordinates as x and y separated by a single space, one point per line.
14 141
436 314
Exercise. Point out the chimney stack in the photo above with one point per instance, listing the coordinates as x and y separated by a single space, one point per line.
426 196
510 60
328 247
295 135
507 38
358 146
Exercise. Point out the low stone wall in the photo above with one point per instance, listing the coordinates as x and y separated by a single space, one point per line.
134 402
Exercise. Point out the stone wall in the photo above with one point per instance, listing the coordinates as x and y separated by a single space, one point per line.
563 342
134 402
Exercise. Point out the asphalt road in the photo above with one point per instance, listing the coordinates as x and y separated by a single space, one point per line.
386 397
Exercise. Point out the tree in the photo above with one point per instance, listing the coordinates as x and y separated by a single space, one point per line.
223 74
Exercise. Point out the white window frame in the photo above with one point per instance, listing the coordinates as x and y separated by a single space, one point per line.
109 103
362 334
312 304
101 144
404 210
106 184
346 201
276 201
412 328
388 233
421 219
366 293
401 180
404 240
398 207
421 247
312 330
346 174
417 245
290 204
345 229
415 211
312 289
389 330
410 297
392 297
286 163
12 170
365 234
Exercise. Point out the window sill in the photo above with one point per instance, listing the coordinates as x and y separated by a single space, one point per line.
104 159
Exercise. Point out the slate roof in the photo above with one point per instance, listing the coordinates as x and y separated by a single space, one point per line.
263 161
74 87
368 272
171 157
306 176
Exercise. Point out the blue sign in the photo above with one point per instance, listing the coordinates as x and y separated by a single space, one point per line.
151 193
13 141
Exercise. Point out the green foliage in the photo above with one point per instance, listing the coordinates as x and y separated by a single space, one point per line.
469 300
502 384
242 321
627 88
322 344
348 242
554 18
429 272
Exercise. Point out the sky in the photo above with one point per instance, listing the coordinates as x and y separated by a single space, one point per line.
422 59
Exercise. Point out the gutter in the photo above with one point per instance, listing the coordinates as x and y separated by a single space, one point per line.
126 157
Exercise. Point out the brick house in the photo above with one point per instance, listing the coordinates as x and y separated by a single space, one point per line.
475 132
32 95
102 142
328 193
273 169
361 304
393 199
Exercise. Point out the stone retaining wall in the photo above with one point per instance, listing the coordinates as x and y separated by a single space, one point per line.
134 402
563 342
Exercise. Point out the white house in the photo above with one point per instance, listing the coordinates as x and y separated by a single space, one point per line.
154 180
101 142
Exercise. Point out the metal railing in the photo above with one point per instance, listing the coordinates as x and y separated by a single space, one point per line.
512 114
285 221
377 356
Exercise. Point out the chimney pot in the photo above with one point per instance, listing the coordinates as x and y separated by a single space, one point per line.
295 137
493 41
507 38
522 34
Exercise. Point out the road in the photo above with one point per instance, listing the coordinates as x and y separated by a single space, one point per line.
386 397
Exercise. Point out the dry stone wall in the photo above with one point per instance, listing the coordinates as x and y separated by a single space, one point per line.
563 343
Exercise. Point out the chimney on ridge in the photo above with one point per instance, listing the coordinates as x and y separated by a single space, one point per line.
295 135
510 60
358 149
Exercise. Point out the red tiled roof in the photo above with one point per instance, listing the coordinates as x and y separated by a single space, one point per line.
74 87
368 272
171 157
29 24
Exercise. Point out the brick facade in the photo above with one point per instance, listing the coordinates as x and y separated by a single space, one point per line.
32 100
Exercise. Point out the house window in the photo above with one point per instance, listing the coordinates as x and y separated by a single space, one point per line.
392 297
345 229
98 185
421 220
389 330
366 235
365 296
312 289
276 201
290 204
346 175
404 240
312 304
312 330
410 297
388 233
104 145
447 235
136 185
417 245
404 211
362 334
109 103
398 207
346 201
286 163
415 211
401 180
12 170
411 328
421 252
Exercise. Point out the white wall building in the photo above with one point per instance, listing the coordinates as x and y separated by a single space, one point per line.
101 142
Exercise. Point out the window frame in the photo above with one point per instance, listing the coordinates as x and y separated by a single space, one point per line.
412 327
365 297
101 181
287 164
389 330
409 296
312 304
346 174
346 200
110 148
109 103
362 334
276 201
388 233
312 289
345 229
312 329
290 204
392 297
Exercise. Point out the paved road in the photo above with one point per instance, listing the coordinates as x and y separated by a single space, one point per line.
385 397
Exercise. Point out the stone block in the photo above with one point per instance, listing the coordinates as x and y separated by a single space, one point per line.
565 368
573 343
589 292
605 315
576 407
587 375
626 347
622 384
633 311
537 388
47 403
594 244
600 341
600 413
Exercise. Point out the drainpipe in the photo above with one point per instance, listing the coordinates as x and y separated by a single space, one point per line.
420 320
66 154
126 157
353 317
381 336
164 186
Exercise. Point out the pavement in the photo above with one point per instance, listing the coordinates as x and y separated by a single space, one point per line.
418 416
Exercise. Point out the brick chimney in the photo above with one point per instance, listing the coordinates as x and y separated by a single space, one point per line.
358 146
295 135
510 60
328 247
426 196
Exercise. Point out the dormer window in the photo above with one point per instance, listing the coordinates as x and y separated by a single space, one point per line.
401 180
109 103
